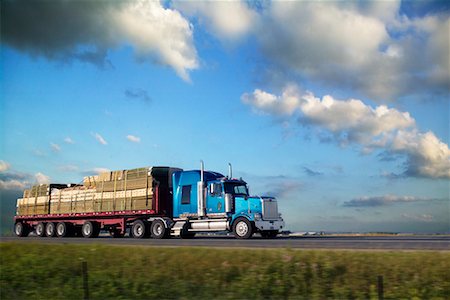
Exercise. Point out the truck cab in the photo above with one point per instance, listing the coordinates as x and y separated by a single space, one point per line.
209 201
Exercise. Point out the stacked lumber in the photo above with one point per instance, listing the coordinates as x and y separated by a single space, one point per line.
121 190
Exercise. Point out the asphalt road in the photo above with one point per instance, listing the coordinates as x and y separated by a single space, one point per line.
321 242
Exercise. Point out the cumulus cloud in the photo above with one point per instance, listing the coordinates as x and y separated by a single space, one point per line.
372 48
371 201
12 180
73 30
4 166
133 139
42 178
99 138
353 122
228 20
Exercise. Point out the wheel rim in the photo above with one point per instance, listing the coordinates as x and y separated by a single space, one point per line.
138 230
241 228
60 229
157 229
18 228
50 229
39 229
87 229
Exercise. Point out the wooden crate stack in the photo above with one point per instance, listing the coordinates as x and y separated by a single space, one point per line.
108 192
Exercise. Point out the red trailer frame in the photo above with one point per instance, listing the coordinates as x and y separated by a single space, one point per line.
116 221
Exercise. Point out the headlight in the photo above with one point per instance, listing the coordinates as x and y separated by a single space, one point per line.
258 217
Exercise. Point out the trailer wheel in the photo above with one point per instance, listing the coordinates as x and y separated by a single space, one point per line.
158 229
50 229
21 229
139 229
269 234
61 229
40 229
90 229
242 228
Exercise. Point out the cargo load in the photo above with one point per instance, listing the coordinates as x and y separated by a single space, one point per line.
113 191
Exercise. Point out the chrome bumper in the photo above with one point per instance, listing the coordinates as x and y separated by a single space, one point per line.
270 225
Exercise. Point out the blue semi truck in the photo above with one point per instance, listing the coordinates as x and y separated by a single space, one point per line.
171 202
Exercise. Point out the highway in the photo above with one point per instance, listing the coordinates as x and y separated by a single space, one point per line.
436 243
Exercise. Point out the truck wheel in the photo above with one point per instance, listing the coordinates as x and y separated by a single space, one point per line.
158 229
184 234
90 229
40 229
50 229
61 229
139 229
242 228
269 234
21 229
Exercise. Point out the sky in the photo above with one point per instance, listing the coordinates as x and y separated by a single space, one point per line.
340 109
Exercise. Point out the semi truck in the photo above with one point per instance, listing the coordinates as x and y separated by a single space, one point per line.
157 202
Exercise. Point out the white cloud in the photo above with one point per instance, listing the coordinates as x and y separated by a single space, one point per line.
228 20
68 140
99 138
353 122
133 138
154 32
153 29
13 180
100 170
13 184
55 147
41 178
4 166
363 47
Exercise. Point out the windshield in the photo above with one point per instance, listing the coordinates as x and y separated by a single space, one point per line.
236 189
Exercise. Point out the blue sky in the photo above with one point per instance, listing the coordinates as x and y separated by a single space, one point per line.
339 109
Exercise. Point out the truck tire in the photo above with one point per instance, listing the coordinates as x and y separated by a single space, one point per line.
90 229
50 230
242 228
185 234
62 230
21 229
158 229
40 229
269 234
139 229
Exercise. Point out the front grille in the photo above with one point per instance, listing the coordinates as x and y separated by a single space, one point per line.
270 209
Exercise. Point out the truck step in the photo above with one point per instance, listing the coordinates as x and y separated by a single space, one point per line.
177 228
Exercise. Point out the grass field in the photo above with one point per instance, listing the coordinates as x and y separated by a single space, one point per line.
37 271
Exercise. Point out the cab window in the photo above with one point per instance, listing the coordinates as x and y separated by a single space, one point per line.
186 194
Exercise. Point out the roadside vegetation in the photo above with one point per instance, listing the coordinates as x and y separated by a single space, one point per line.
39 271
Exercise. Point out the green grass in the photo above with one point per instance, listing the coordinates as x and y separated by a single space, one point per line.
38 271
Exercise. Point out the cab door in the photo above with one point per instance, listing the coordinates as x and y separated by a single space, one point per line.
215 203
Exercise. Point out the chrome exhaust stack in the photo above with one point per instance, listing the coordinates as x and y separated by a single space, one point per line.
230 171
201 192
